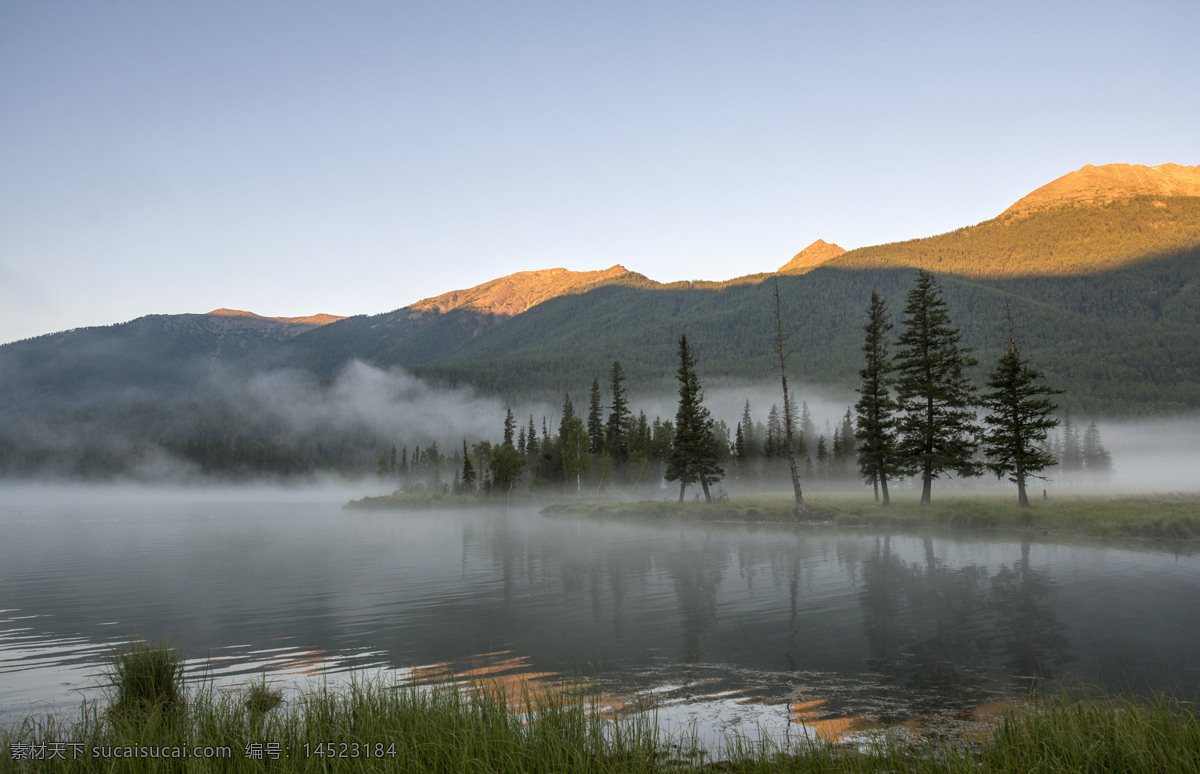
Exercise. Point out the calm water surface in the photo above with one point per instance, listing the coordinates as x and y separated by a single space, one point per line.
711 617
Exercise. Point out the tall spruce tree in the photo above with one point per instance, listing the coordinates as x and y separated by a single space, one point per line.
695 454
616 432
1020 416
773 444
752 441
937 424
568 411
878 457
509 428
595 420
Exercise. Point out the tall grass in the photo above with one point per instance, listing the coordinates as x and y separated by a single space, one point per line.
1078 734
370 725
146 678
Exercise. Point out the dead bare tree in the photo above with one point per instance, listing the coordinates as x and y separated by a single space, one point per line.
801 508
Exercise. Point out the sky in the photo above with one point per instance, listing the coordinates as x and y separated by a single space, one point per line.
290 158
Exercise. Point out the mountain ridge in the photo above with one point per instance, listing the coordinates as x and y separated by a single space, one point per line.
1120 277
816 254
1108 182
312 319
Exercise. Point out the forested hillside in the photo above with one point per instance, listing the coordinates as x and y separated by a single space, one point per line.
1105 299
1121 342
153 358
1064 241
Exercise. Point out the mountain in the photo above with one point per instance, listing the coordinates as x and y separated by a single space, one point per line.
1104 286
1104 292
312 319
816 254
153 358
1075 240
1091 185
516 293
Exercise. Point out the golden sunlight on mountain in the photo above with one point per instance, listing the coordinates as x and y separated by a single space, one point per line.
312 319
811 257
511 295
1097 185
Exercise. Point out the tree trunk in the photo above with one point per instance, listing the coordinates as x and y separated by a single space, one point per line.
875 486
883 483
801 508
1022 497
926 485
707 496
682 486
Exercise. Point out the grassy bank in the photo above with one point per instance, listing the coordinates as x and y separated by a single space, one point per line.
370 726
1165 516
426 500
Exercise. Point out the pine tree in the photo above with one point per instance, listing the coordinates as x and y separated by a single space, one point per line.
937 424
1097 461
878 457
694 452
822 457
752 441
640 437
595 421
509 427
848 457
568 412
616 432
773 445
808 429
1072 454
1020 416
531 440
468 470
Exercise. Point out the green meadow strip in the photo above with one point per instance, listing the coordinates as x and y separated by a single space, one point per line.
1154 516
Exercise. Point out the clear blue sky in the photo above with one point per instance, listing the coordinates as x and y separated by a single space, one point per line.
294 157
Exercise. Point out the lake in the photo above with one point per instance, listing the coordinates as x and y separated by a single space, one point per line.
729 626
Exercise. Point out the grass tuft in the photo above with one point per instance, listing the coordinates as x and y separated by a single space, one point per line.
261 699
145 679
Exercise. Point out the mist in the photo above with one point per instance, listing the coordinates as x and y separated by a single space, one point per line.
368 410
389 405
1154 455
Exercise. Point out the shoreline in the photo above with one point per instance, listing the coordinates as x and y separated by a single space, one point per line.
1170 517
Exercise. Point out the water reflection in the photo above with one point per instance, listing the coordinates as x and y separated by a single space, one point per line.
875 627
942 630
